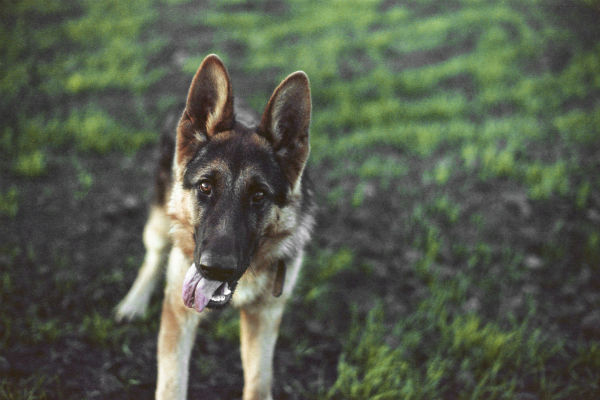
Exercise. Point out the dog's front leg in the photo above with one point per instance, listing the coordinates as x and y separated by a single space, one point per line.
259 328
176 336
156 241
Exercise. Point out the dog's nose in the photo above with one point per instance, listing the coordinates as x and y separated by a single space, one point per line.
217 267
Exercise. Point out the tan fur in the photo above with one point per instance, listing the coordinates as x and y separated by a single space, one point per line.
177 333
215 117
209 110
259 327
260 311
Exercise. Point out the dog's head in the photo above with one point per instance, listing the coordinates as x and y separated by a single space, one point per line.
232 181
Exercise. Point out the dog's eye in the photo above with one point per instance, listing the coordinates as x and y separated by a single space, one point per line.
206 187
258 196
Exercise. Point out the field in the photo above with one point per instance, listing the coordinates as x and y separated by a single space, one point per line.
456 154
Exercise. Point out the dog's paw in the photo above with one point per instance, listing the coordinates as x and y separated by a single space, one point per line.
131 307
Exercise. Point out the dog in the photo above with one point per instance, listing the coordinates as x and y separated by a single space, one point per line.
234 211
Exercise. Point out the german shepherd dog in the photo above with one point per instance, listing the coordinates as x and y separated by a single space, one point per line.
234 211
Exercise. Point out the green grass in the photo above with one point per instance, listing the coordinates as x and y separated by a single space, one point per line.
9 202
26 389
464 358
58 79
455 147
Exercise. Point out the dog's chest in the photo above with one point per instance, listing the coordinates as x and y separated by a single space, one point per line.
251 288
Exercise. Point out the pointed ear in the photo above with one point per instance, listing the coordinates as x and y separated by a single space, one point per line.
209 107
285 124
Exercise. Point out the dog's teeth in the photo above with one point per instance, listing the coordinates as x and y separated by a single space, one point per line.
218 298
226 290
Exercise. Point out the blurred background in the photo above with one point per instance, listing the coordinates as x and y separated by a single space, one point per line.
456 154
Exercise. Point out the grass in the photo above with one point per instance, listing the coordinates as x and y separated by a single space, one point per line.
455 151
466 358
28 389
9 202
53 75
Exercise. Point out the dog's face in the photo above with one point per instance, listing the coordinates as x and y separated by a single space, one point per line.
236 183
235 180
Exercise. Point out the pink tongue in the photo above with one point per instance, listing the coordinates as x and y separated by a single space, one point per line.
197 290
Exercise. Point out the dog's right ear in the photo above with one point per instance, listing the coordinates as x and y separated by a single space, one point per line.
208 110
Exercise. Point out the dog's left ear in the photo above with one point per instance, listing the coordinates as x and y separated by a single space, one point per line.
285 124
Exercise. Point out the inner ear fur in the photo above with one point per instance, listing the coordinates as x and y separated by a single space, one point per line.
208 109
285 124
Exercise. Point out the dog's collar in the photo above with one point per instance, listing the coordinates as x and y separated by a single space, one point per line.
279 278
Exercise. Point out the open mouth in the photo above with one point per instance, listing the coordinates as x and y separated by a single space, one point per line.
199 292
222 295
